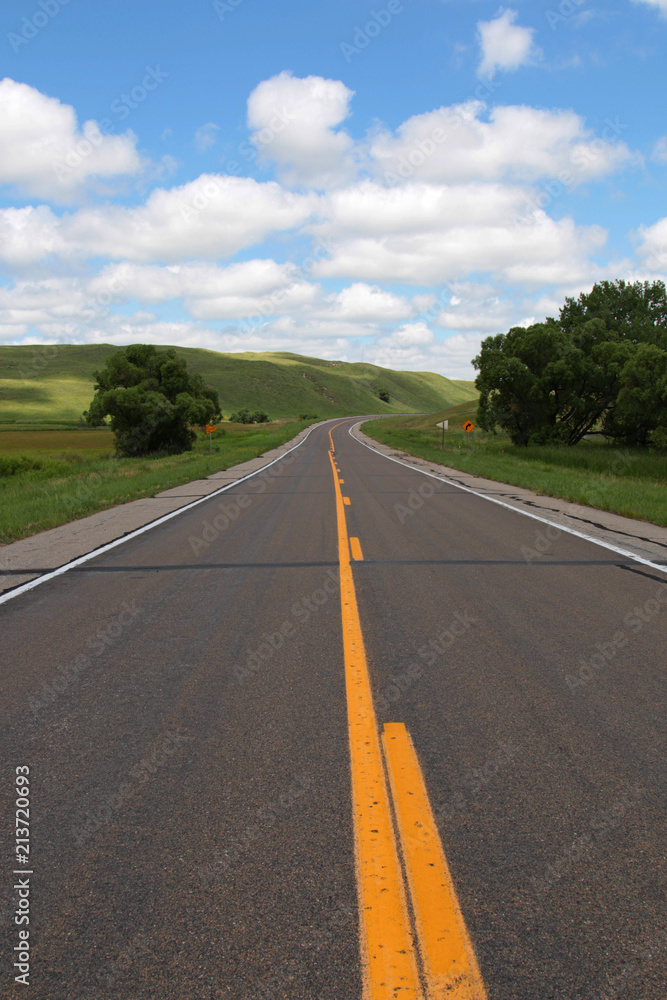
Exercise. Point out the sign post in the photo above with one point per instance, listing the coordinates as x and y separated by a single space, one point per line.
445 426
209 431
467 427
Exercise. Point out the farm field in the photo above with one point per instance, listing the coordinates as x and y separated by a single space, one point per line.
48 478
627 481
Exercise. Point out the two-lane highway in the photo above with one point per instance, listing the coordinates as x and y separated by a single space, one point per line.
185 704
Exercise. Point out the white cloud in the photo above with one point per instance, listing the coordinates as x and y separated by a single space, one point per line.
660 4
463 219
29 234
368 304
154 284
45 154
205 136
516 143
504 44
294 125
659 153
653 247
213 216
427 234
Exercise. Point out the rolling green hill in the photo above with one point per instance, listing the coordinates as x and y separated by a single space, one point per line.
55 385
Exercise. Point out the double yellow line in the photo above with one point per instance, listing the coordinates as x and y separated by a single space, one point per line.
438 960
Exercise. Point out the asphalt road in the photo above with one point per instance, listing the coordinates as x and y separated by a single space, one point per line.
181 704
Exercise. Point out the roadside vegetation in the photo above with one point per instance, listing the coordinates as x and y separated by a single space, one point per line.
575 407
600 368
48 478
613 477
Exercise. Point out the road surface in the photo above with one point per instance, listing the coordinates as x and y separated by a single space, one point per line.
187 709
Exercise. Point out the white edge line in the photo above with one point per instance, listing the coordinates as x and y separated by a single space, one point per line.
31 584
517 510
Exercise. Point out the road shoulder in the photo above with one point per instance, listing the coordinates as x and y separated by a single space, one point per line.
29 558
641 538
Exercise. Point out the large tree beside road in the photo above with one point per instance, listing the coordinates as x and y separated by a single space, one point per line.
601 366
152 399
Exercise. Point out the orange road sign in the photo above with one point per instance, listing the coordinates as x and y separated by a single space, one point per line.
468 426
210 429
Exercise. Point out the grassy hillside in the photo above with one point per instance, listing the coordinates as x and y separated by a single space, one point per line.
54 385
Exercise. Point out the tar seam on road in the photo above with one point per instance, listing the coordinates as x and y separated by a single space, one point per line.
389 955
31 584
517 510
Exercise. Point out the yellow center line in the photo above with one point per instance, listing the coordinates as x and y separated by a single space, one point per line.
388 958
347 501
450 965
355 547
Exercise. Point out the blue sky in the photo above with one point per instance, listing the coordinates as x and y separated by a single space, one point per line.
405 177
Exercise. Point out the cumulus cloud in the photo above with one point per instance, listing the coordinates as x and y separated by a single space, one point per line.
504 44
364 303
206 135
458 205
294 125
653 246
659 153
211 217
516 143
45 154
660 4
424 233
29 234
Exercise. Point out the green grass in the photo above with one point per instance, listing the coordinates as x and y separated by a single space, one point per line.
54 385
632 482
44 486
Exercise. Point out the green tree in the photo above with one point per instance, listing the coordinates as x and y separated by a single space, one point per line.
384 395
245 416
561 379
635 312
152 399
641 405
